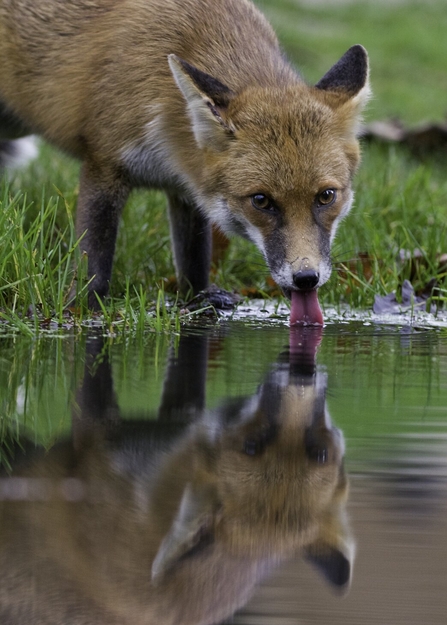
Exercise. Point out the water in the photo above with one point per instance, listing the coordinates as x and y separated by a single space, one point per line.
240 473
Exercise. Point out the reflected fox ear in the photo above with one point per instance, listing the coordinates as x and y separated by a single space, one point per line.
332 563
333 550
207 100
350 76
191 528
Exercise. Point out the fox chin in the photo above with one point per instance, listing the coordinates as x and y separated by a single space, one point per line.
196 98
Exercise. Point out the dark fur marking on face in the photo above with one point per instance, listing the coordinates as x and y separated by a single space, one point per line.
275 249
324 244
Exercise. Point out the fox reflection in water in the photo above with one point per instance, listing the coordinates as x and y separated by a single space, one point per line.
175 520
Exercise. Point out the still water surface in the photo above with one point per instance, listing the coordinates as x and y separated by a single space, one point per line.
239 474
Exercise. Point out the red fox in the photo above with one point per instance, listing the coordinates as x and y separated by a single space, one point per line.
176 519
196 98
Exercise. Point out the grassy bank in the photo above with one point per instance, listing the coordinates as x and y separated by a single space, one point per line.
400 202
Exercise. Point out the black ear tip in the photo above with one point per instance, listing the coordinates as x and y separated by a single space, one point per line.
342 572
358 56
349 74
359 51
334 566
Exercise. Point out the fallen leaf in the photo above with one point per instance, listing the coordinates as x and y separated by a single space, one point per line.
427 137
410 301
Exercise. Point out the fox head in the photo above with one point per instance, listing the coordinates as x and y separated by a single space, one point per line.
280 161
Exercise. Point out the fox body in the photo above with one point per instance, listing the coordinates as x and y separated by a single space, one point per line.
196 98
124 526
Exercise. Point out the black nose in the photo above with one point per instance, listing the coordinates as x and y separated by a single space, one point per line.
306 280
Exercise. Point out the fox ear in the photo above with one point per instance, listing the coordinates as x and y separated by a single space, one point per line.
191 528
207 100
350 76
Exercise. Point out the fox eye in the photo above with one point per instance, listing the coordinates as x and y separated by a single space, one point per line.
327 197
262 202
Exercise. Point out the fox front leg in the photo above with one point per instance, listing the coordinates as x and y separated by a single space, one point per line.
10 126
101 200
191 244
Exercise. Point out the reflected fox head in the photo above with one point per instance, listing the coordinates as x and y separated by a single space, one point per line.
268 479
280 161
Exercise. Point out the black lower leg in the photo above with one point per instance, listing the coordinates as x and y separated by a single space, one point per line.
99 208
191 242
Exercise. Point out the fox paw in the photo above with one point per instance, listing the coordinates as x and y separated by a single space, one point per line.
215 297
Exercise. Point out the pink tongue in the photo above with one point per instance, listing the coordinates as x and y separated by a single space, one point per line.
305 308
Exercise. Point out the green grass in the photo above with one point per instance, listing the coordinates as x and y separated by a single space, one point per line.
405 41
400 200
400 207
40 259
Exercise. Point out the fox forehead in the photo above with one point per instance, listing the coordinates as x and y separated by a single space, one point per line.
289 141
